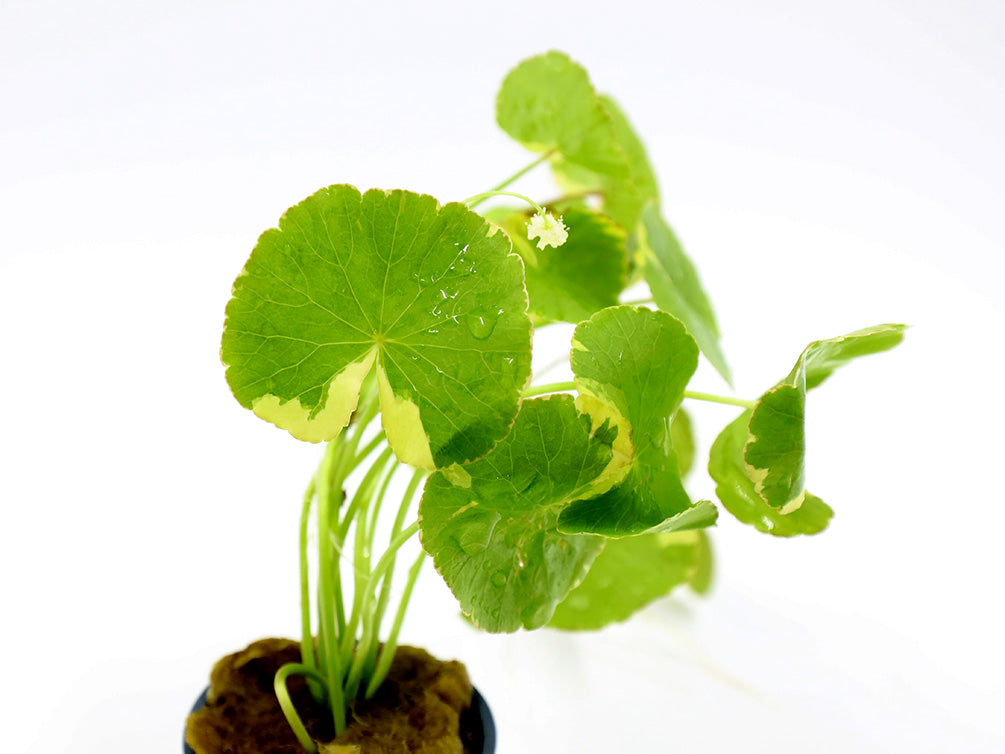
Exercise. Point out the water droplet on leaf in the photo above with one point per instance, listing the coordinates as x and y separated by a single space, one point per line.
481 322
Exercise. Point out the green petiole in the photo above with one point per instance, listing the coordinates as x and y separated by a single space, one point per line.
561 387
331 661
711 398
286 703
471 201
358 510
382 567
328 633
554 387
391 645
476 200
376 614
306 635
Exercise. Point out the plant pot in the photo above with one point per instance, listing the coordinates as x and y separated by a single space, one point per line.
477 727
478 720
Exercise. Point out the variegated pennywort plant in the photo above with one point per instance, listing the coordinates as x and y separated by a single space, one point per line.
398 331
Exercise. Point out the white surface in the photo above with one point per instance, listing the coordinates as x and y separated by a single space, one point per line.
828 166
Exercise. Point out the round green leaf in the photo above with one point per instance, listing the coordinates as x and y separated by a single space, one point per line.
491 525
631 366
548 103
428 296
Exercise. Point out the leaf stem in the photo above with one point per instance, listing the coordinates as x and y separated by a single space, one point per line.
554 387
286 703
518 174
561 387
391 645
472 201
307 655
380 607
382 568
328 633
369 448
638 301
711 398
399 522
361 558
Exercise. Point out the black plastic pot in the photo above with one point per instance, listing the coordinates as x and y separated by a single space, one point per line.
478 718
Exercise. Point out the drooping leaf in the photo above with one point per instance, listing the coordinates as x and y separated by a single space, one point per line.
775 451
682 440
675 286
736 491
822 357
628 575
631 366
548 103
578 278
429 296
491 525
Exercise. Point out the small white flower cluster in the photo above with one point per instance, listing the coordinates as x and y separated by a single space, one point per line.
548 229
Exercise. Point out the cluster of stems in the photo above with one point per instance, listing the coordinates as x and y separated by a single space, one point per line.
342 656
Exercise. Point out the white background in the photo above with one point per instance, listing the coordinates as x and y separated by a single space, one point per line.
828 166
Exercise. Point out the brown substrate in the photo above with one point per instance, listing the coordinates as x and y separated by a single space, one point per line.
421 707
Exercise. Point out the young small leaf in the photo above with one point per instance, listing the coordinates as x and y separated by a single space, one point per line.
776 448
627 575
429 296
675 286
736 491
580 277
548 103
492 530
631 366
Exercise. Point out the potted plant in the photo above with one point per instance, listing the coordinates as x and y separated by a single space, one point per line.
399 331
